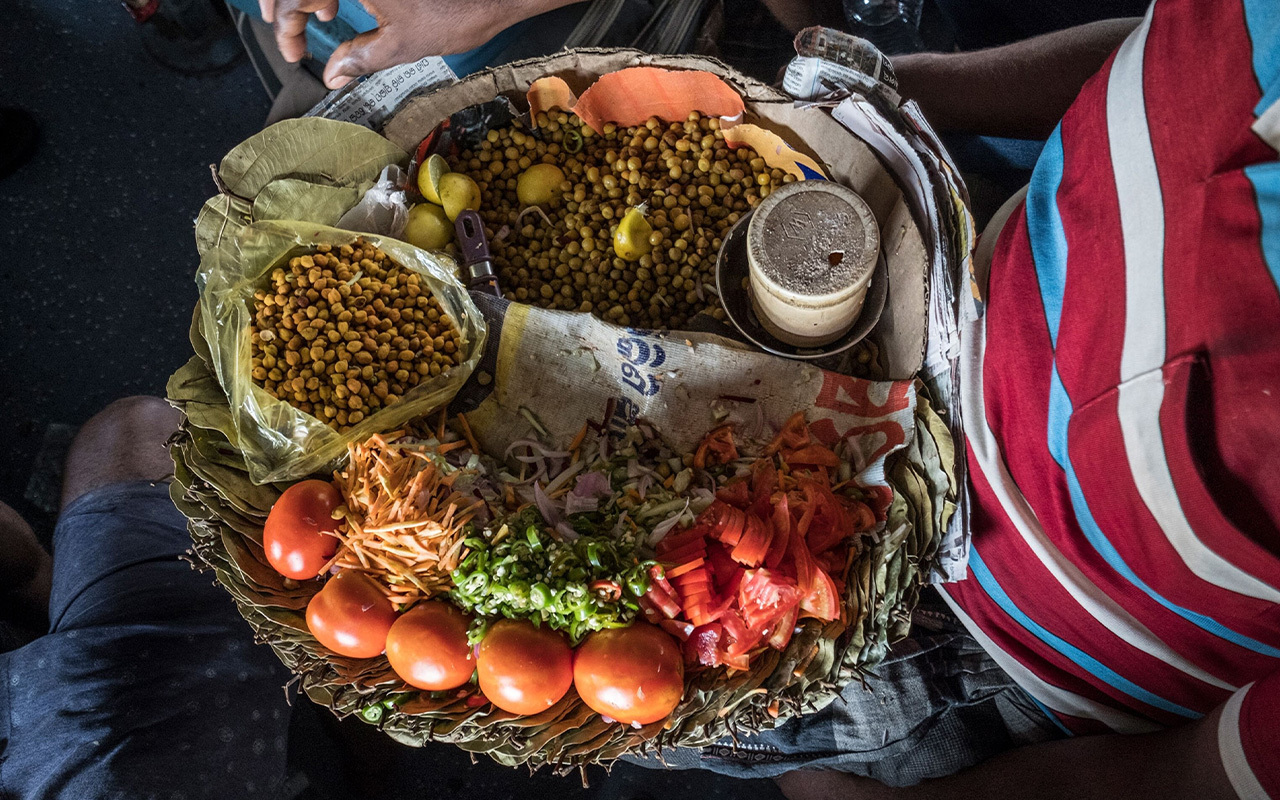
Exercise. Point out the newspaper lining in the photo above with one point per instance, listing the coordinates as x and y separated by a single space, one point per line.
369 100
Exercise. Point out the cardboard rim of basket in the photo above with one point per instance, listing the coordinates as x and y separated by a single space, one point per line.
900 334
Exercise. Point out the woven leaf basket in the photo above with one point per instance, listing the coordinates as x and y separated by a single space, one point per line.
226 513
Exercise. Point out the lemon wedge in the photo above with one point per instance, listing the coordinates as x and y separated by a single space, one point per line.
428 227
539 184
631 239
457 191
429 175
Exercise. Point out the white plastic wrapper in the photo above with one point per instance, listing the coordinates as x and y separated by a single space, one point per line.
383 210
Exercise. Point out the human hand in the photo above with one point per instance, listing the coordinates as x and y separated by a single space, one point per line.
407 30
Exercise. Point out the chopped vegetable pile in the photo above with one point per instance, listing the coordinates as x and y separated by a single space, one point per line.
405 518
770 549
523 571
723 550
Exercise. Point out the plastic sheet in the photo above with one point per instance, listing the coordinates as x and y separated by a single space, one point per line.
279 442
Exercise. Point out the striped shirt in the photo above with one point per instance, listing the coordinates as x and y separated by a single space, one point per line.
1122 398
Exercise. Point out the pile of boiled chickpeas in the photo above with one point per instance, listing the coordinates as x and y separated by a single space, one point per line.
691 184
344 331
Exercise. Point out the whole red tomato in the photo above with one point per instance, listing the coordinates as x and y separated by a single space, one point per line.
524 669
428 647
633 674
295 535
351 616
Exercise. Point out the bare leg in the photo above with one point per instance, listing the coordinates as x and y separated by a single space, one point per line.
123 442
26 572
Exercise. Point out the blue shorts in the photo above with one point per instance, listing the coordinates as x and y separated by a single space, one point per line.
936 705
148 684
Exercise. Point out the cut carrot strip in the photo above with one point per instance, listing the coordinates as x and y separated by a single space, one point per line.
688 566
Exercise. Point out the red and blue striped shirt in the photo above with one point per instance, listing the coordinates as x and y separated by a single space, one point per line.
1122 398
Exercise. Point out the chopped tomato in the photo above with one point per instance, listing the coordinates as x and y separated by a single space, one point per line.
781 522
723 568
794 435
823 601
740 662
650 610
677 628
736 493
754 544
678 541
829 525
783 628
717 610
703 645
683 554
744 639
726 522
687 566
765 595
662 594
764 479
805 566
717 447
813 454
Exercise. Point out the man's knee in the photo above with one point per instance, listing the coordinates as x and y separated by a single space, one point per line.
123 442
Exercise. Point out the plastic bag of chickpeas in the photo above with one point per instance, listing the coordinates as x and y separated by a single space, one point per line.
321 337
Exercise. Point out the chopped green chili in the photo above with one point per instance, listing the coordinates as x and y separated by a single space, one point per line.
588 584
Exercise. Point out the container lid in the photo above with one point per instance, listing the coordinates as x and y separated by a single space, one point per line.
814 241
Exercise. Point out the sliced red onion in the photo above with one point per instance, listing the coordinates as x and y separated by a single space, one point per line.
550 514
642 485
564 476
576 504
536 447
661 530
593 484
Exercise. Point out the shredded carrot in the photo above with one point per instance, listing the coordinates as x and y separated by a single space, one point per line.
580 438
465 427
404 521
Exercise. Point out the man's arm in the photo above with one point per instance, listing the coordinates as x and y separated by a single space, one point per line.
1173 764
407 30
1020 90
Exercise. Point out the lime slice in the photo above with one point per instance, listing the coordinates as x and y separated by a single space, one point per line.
539 184
428 227
456 192
429 175
631 239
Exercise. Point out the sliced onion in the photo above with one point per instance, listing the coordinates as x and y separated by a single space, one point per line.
576 504
564 476
661 530
550 514
593 484
536 447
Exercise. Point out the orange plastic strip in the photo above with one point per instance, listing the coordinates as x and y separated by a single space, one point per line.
548 93
630 96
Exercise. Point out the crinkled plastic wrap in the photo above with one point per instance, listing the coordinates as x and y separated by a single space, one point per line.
281 443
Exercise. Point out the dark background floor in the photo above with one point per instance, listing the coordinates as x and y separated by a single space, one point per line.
95 230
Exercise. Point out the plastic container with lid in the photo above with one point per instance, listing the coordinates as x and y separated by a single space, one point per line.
811 248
